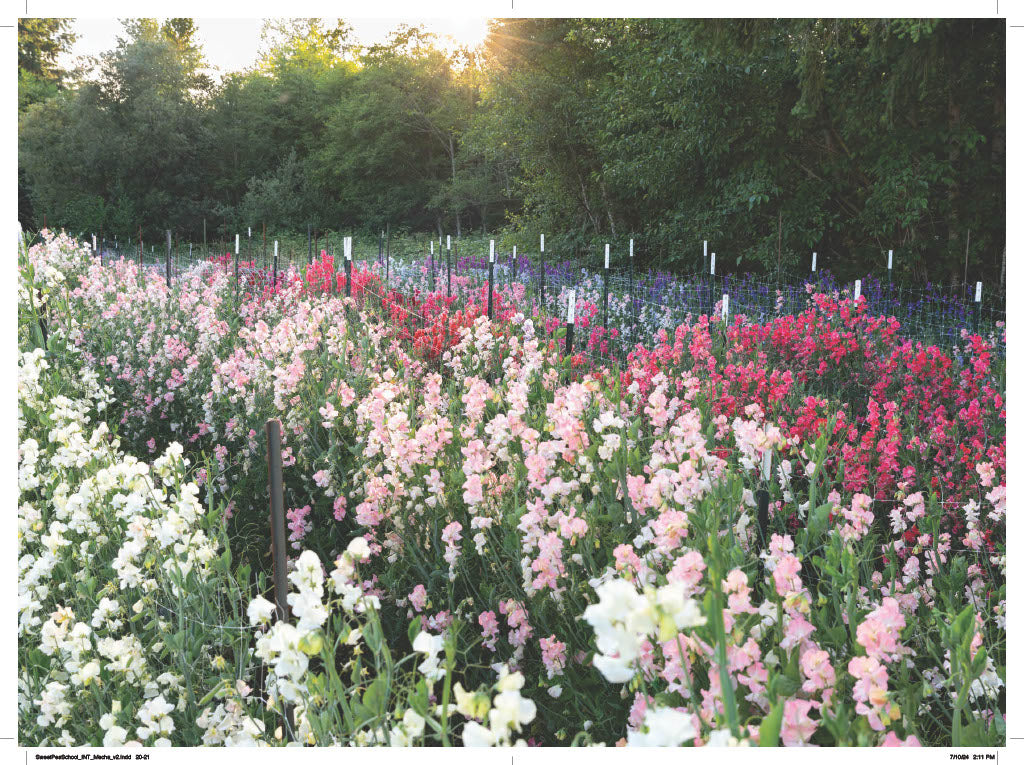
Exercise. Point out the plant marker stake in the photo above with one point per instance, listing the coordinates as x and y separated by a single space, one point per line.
167 262
570 322
277 533
275 265
814 262
977 303
448 266
890 268
94 244
348 266
236 265
725 307
490 284
705 255
712 264
856 289
515 256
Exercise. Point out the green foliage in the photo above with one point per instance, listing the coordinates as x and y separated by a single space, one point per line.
769 138
40 43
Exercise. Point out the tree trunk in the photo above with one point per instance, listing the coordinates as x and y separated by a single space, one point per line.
608 207
458 214
586 206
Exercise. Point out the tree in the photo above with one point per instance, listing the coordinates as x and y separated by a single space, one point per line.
40 44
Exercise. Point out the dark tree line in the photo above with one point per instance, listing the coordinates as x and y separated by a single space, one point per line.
771 138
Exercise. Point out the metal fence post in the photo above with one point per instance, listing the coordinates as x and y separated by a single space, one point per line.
570 322
490 284
607 263
542 272
762 516
348 266
277 533
632 297
711 292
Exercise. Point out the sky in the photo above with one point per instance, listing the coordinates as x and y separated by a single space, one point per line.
233 44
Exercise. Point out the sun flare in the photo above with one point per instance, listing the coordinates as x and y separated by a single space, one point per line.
460 31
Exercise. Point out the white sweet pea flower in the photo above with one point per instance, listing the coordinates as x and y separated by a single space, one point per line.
665 727
475 734
260 610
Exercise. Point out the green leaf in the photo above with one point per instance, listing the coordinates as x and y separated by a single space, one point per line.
414 628
784 686
817 523
374 697
978 662
771 726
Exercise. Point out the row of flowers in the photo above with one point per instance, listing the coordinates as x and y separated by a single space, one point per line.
501 492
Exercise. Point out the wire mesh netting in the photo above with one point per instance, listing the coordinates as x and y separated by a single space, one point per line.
616 308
